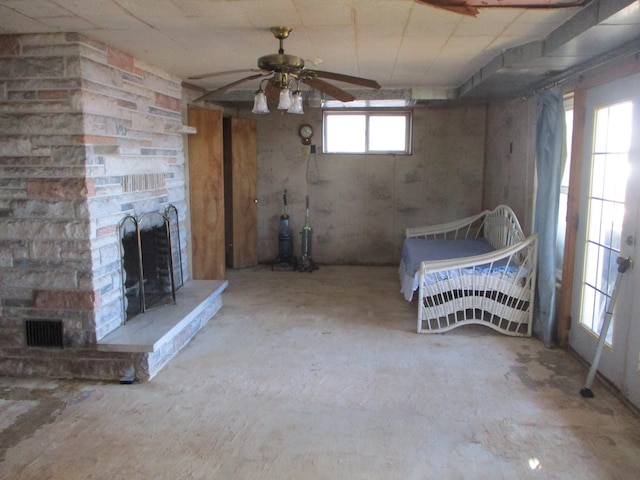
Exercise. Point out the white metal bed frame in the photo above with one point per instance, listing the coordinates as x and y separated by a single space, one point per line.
462 295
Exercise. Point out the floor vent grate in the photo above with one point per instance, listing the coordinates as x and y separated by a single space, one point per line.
44 333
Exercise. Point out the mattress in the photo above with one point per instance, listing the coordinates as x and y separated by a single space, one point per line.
417 250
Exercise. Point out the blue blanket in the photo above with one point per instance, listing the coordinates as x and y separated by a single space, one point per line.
416 250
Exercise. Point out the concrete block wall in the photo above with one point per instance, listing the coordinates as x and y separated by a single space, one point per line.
510 158
361 204
88 134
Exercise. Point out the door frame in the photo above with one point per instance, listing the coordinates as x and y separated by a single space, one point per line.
606 74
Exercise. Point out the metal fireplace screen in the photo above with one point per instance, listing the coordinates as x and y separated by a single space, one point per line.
151 261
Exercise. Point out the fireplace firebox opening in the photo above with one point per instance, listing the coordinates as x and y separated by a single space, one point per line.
151 261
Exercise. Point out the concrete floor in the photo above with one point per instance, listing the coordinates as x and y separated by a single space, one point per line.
321 376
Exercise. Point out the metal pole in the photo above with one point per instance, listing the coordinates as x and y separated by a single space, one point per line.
623 266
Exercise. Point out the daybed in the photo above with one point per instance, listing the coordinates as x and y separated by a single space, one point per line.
478 270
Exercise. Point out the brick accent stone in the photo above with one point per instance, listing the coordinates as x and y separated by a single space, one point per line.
9 45
120 60
57 187
66 299
170 103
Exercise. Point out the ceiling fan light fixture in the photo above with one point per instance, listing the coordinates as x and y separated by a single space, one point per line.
260 103
285 99
281 69
296 103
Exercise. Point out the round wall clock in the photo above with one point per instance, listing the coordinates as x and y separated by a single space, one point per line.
306 132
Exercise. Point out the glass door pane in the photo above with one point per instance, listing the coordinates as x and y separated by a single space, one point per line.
606 209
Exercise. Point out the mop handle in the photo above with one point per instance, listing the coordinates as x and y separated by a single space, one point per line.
284 199
307 225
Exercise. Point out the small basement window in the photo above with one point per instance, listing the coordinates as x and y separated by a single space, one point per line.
371 132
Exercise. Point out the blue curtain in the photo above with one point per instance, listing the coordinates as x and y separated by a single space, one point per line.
550 153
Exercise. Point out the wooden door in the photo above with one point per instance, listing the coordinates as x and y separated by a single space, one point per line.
241 192
206 190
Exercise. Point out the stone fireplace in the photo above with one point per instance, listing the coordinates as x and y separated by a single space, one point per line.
88 136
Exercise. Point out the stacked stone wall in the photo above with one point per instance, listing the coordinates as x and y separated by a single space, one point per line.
88 134
135 158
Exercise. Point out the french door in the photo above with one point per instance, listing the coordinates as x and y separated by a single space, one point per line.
610 194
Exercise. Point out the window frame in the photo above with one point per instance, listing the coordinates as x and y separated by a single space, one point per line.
368 113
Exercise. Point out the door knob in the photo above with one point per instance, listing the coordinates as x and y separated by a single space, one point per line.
630 240
255 200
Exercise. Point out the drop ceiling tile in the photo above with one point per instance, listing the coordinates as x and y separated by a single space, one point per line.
469 45
143 44
227 26
290 18
400 81
332 40
445 75
36 8
382 12
91 7
415 30
463 66
13 22
428 47
418 68
387 50
427 15
406 65
262 13
327 12
200 8
494 30
372 30
148 9
66 23
114 22
491 21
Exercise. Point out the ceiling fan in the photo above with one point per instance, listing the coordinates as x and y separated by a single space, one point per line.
280 69
470 7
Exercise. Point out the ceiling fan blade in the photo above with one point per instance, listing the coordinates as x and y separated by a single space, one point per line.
365 82
226 72
228 86
329 89
470 7
457 6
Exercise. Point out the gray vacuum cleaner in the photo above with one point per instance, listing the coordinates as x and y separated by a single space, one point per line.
286 260
306 263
